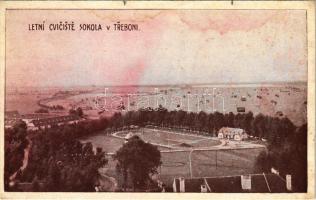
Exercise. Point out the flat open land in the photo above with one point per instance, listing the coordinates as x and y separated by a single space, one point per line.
173 140
24 102
268 99
109 144
229 162
209 158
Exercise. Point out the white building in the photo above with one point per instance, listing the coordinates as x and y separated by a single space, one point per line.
232 133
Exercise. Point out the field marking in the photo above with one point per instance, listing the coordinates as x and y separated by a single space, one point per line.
156 144
188 141
172 165
232 145
192 142
215 148
185 134
231 153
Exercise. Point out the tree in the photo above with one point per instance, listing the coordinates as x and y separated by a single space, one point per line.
42 110
258 125
53 180
35 185
229 118
299 158
58 161
202 121
137 160
247 121
77 112
15 143
287 152
219 121
262 163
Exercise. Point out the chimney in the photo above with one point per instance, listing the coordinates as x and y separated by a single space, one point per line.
174 185
246 182
289 182
203 188
182 184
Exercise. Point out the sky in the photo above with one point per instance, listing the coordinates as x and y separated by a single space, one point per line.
170 47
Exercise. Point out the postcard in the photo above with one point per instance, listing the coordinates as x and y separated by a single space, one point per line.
158 99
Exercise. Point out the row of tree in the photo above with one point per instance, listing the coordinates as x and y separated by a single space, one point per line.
57 160
272 128
44 106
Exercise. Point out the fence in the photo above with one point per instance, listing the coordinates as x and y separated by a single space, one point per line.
207 163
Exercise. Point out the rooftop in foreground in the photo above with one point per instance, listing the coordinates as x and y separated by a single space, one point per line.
252 183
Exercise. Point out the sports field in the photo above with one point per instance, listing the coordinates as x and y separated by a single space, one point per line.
205 163
172 139
209 157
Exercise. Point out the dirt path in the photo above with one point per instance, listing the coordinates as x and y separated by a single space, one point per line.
25 160
107 183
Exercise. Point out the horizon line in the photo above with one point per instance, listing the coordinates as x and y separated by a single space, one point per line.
172 84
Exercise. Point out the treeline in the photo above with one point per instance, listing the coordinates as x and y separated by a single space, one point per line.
289 156
44 106
58 161
273 129
15 141
41 110
77 112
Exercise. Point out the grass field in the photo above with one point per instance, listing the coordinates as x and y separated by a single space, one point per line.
108 143
175 140
175 163
229 162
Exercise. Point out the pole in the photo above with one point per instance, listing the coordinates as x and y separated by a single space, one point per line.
168 138
190 161
216 159
160 168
